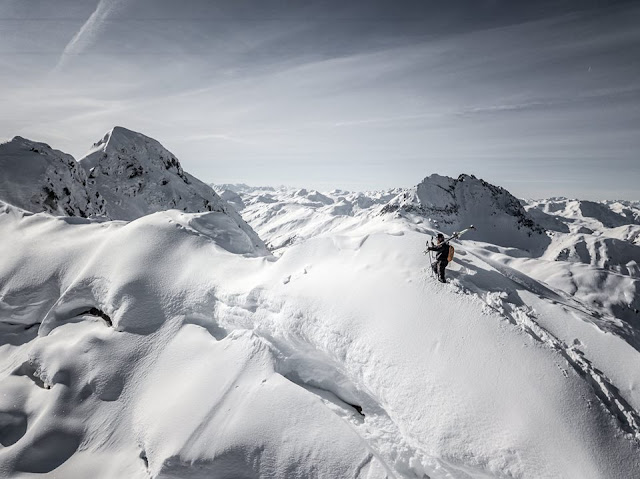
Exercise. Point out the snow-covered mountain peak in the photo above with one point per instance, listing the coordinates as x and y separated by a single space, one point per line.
120 135
451 204
25 141
37 178
122 150
465 193
138 176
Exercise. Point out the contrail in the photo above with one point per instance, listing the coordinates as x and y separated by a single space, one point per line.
84 37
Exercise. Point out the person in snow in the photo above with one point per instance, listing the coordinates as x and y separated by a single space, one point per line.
442 257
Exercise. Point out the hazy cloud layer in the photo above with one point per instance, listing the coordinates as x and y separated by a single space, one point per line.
543 99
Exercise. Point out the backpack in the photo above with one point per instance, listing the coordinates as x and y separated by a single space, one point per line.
451 251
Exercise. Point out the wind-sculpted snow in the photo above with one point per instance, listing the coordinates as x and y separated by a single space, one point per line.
159 348
38 178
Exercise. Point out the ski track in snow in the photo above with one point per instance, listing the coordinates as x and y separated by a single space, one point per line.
604 322
525 318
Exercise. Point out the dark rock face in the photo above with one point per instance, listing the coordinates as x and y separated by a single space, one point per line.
37 178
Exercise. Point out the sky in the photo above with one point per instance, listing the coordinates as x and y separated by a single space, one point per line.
542 98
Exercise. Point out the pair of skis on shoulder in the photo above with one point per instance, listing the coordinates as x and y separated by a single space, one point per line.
459 233
455 235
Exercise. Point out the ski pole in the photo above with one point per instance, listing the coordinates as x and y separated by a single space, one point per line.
433 273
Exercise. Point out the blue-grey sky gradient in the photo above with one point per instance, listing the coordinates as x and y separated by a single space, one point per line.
542 97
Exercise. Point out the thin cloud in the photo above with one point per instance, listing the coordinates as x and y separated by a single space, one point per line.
217 136
226 92
87 32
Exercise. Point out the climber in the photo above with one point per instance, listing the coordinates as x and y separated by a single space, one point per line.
442 257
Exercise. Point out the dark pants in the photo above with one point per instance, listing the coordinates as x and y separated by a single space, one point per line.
438 268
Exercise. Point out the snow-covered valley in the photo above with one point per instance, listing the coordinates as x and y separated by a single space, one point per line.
153 327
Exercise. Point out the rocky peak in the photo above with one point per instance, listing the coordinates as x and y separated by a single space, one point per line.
138 176
452 204
37 178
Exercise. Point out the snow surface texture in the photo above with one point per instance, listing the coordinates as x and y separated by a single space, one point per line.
151 348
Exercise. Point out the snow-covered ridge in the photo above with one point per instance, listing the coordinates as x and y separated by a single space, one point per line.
577 254
556 229
143 350
38 178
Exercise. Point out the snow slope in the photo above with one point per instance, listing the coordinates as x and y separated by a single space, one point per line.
151 348
576 253
39 178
